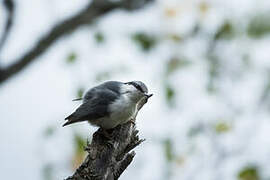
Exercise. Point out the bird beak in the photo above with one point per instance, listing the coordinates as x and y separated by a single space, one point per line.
148 95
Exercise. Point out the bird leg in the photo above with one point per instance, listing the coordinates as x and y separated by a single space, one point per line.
105 133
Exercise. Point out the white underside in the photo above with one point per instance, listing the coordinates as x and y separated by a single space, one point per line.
122 110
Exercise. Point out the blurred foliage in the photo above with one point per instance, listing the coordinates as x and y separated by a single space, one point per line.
169 157
180 160
222 127
175 63
79 153
99 37
249 173
145 41
195 130
168 149
175 37
49 131
103 76
79 143
246 60
106 74
204 7
71 58
170 94
214 66
47 172
226 31
80 92
259 26
265 97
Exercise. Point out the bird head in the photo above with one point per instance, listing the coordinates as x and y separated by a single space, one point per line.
136 90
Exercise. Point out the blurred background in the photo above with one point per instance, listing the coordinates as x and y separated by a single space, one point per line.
207 62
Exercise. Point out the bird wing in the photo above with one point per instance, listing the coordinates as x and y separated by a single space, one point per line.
95 105
112 86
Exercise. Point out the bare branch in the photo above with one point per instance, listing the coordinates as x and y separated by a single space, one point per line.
9 5
93 11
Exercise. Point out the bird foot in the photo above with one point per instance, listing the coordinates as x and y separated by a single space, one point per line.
133 121
106 134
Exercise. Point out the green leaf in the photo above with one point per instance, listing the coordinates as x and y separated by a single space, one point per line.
71 58
259 26
222 127
225 31
170 94
168 149
145 41
249 173
99 37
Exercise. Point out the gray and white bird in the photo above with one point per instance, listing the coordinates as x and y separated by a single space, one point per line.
110 104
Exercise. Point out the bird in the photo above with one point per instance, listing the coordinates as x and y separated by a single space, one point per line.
110 104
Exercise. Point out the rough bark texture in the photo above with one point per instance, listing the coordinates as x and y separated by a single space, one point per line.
108 157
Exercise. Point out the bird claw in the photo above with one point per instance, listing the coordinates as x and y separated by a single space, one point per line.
106 134
133 121
109 138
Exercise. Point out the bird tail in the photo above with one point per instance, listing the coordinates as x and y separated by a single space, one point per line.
78 99
70 120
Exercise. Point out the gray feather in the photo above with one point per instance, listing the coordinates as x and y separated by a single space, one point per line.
95 103
113 86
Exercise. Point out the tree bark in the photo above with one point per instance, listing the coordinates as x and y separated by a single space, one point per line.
108 157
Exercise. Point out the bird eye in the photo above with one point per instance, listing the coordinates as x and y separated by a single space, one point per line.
138 87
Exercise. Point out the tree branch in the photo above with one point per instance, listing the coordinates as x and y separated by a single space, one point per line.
9 5
93 11
107 158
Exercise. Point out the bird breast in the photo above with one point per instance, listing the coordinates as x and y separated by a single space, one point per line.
121 111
